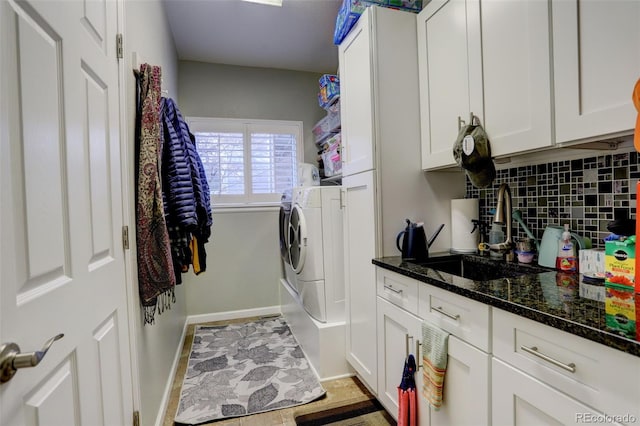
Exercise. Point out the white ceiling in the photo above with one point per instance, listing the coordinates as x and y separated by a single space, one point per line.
297 36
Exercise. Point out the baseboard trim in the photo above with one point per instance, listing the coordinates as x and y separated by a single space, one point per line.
230 315
169 386
339 376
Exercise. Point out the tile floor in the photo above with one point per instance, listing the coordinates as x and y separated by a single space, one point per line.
339 392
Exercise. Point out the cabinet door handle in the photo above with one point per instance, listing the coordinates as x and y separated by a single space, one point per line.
473 120
406 350
390 288
534 351
406 345
455 317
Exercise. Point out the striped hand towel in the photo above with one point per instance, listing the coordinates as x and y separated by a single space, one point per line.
434 363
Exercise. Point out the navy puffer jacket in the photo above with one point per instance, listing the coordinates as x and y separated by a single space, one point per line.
178 188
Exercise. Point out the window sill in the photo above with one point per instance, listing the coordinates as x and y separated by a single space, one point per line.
246 208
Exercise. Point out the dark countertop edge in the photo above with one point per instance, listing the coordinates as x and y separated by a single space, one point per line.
590 333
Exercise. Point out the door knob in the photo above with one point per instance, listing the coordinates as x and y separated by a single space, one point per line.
11 359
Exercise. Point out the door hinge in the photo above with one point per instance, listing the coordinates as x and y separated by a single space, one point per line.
125 237
136 418
119 51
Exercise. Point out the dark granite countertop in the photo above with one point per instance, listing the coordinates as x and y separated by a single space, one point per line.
578 309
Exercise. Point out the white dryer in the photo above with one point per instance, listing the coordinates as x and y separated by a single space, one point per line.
316 251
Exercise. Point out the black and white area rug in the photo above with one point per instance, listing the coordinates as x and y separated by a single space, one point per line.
241 369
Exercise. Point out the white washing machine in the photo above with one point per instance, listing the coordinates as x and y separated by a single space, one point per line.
316 251
286 204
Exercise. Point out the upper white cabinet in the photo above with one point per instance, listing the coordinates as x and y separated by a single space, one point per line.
449 60
536 73
596 57
504 66
378 80
357 99
516 74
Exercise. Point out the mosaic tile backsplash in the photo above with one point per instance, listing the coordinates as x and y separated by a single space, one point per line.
587 193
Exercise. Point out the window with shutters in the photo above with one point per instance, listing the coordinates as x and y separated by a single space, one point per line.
248 162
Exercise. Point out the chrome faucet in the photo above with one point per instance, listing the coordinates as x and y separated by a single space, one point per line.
503 215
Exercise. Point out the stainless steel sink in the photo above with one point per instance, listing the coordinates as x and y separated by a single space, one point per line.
480 268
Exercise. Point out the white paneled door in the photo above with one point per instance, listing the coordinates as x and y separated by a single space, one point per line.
61 214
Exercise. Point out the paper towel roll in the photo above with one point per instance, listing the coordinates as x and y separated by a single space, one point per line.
462 212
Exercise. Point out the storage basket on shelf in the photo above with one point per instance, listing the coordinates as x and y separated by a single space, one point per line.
327 126
329 90
331 156
351 10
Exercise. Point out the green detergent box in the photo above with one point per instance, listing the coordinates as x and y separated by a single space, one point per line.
620 310
620 262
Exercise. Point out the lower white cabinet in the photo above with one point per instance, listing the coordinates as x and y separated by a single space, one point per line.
360 246
589 374
467 380
502 369
519 399
398 332
466 388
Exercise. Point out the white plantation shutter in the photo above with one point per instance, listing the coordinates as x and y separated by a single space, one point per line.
273 158
248 161
222 156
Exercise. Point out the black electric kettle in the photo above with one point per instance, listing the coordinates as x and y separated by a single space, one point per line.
415 246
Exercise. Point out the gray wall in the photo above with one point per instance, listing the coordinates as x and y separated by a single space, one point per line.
156 344
225 91
243 258
243 264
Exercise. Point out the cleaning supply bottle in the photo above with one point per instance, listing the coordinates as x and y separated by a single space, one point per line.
566 258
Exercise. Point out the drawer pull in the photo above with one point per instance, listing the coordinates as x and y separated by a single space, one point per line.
534 351
388 287
455 317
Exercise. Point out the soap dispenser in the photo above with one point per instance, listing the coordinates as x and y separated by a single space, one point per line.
566 258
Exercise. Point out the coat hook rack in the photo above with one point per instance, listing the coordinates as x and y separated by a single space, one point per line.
136 61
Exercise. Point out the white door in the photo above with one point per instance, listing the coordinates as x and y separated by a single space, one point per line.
61 214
